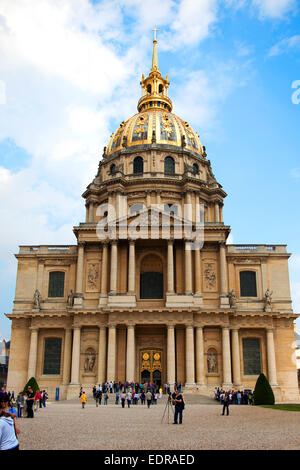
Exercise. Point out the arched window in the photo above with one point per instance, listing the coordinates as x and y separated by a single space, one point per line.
138 165
112 169
56 284
160 89
195 169
251 356
169 166
171 208
248 284
149 89
52 356
151 278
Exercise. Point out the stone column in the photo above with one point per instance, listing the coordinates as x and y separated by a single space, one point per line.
217 212
227 381
67 356
102 355
104 269
170 267
188 268
91 212
188 212
200 367
236 364
171 355
130 354
75 356
189 356
148 198
131 268
78 300
114 267
224 301
111 353
272 373
32 353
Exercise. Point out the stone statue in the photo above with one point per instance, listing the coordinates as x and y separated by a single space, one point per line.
37 299
89 363
124 143
183 141
212 363
204 154
268 299
104 152
232 299
70 300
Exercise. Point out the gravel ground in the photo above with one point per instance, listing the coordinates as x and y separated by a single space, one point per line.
66 426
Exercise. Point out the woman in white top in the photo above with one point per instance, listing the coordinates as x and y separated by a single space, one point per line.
8 438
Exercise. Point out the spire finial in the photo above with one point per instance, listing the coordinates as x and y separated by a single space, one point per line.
154 57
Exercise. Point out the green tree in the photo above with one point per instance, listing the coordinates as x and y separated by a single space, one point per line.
33 384
263 393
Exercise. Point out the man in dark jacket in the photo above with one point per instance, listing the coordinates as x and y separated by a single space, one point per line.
179 407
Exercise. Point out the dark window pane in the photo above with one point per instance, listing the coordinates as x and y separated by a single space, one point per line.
138 165
251 355
152 285
52 356
248 284
56 284
169 166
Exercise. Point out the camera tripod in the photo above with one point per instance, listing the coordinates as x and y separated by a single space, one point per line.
169 405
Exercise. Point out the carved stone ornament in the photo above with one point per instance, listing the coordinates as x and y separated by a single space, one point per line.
209 276
93 277
37 298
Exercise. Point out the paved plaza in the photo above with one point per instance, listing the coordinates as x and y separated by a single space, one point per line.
65 425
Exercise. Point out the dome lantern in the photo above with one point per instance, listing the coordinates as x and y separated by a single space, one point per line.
154 87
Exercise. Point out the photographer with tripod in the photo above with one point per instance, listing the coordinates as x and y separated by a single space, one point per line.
179 407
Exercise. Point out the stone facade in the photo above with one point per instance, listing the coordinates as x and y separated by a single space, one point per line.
107 324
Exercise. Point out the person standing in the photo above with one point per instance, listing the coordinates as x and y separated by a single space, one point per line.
117 397
123 398
105 398
226 402
83 399
149 398
97 397
8 427
29 402
179 407
20 404
129 396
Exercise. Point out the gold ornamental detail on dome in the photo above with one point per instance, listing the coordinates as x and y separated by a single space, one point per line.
166 125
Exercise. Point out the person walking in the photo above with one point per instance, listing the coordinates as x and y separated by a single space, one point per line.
83 399
179 407
105 398
97 397
226 402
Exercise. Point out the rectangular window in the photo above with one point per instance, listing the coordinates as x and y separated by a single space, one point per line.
52 356
251 356
248 284
56 284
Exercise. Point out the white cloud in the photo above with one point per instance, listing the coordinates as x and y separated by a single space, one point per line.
285 45
2 92
192 24
275 9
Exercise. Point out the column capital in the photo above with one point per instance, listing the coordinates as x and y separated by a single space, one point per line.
222 244
34 328
130 325
189 325
111 325
81 244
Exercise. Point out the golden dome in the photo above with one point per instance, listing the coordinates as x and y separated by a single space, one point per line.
154 127
154 124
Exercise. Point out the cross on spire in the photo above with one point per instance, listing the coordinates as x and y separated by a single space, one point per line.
155 29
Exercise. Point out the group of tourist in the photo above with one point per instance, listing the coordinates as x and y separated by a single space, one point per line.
25 404
236 397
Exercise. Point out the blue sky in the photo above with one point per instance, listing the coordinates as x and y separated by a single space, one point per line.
70 73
